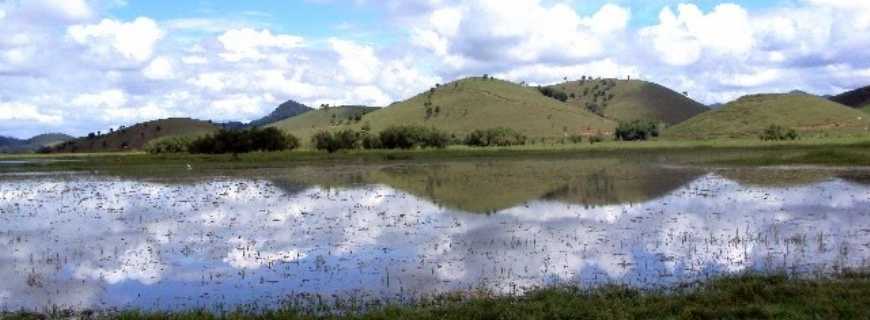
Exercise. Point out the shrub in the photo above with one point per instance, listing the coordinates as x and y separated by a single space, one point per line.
778 133
553 93
636 130
500 137
243 141
370 141
408 137
168 145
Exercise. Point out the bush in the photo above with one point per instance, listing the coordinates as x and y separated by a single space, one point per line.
500 137
778 133
636 130
370 141
168 145
408 137
243 141
553 93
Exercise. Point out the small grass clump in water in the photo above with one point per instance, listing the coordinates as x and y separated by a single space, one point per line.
748 297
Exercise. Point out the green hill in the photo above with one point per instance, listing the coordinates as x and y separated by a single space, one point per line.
286 110
307 124
135 137
858 98
475 103
628 100
747 117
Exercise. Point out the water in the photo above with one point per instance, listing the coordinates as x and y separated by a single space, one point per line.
400 232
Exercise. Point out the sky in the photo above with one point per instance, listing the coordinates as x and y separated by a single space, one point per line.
80 66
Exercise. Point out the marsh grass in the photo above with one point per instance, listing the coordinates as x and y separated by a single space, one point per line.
741 297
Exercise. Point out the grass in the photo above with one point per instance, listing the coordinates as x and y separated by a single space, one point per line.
742 297
462 106
833 152
632 100
747 117
866 108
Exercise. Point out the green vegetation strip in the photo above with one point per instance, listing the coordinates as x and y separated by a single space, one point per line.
829 152
749 297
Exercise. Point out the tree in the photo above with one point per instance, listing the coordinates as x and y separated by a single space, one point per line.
636 130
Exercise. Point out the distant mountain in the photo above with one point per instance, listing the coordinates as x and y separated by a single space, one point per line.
858 98
9 142
232 125
628 100
33 144
137 136
285 110
748 117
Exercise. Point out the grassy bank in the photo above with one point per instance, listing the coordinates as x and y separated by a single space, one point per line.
833 152
750 297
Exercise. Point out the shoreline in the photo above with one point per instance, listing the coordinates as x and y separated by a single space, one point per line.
776 296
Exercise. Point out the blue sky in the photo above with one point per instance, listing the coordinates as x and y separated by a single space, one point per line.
78 66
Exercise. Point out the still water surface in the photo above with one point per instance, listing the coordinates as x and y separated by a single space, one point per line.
401 232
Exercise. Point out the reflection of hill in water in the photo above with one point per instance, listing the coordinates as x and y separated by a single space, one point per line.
483 187
775 177
629 186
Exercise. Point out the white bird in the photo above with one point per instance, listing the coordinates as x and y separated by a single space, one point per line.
189 167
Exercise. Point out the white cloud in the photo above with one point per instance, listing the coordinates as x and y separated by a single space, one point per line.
159 69
111 39
498 34
111 99
680 39
360 62
18 111
249 44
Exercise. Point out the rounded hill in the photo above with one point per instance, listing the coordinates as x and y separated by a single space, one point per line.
749 116
629 100
463 106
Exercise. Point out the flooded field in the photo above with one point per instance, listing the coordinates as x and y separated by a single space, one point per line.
401 232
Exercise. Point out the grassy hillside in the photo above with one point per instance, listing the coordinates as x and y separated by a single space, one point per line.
475 103
307 124
747 117
135 137
628 100
866 109
286 110
858 98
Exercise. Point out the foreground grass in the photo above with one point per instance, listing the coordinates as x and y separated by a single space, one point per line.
749 297
831 152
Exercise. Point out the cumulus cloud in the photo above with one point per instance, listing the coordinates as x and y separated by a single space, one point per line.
489 34
16 111
69 65
680 39
250 44
159 69
112 40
